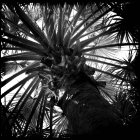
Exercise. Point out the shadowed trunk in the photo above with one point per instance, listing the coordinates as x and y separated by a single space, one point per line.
87 111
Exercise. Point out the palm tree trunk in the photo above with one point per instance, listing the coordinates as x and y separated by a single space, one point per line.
88 112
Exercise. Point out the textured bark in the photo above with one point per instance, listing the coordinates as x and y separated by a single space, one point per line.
88 112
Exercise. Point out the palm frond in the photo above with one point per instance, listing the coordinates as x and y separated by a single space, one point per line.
32 112
71 47
33 27
18 84
19 73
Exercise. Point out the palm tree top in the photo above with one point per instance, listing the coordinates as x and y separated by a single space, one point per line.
53 43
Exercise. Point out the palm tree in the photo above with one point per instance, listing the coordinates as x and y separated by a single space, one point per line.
74 80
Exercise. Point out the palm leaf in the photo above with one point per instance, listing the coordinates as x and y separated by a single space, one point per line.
63 47
42 114
25 46
84 29
18 84
9 103
19 102
33 110
19 73
98 56
36 30
107 46
21 28
22 40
